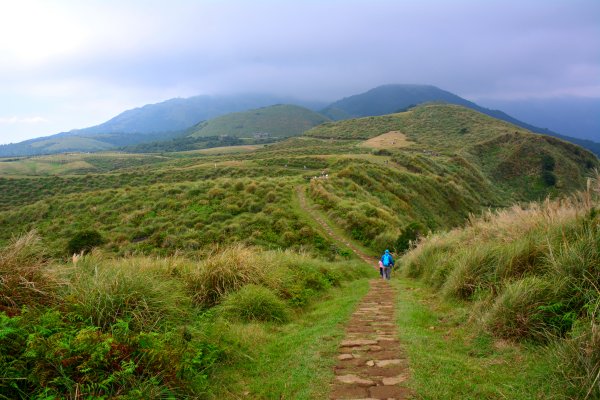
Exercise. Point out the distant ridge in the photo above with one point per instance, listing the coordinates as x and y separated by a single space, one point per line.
392 98
173 118
281 120
150 123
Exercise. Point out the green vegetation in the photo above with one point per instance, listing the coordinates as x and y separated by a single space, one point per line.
206 264
137 327
452 359
532 274
84 241
274 121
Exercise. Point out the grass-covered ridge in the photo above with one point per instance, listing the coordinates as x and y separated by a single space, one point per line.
280 120
532 273
188 201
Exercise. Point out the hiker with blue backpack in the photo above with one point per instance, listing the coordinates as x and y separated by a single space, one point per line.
388 262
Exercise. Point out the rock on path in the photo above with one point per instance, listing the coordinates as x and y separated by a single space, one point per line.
371 363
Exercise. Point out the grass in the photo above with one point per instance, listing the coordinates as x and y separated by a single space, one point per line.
134 326
26 278
294 361
530 275
275 121
452 359
390 140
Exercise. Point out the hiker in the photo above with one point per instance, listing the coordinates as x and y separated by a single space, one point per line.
388 262
381 269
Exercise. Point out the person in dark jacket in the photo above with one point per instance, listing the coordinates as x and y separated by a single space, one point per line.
388 263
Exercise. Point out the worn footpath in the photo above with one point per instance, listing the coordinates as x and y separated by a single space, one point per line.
371 362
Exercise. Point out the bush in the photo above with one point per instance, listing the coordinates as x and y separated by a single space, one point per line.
84 241
254 303
409 235
60 358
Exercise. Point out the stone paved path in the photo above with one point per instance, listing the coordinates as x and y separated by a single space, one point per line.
371 362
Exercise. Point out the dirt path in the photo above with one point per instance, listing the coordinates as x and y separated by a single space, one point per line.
304 205
371 362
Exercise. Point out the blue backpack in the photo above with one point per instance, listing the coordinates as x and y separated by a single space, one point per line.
386 260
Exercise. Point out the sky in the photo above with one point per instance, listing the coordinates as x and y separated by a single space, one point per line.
74 64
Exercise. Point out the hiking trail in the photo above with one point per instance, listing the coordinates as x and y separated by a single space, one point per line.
371 363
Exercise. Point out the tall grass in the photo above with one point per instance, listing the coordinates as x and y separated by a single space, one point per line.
532 273
25 276
138 290
138 327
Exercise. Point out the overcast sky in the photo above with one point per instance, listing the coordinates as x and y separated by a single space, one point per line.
73 64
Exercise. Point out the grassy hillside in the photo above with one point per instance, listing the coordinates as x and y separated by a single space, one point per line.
275 121
189 201
140 327
73 163
207 265
455 162
389 99
532 274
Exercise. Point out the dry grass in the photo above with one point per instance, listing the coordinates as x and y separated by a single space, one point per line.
390 140
25 277
223 272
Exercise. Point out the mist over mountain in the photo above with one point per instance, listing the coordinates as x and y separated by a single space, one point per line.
388 99
172 118
574 116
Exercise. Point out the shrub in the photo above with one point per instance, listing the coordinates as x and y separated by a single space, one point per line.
409 234
61 358
84 241
254 303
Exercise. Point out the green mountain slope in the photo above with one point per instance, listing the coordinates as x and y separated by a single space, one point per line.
280 120
454 162
389 99
150 123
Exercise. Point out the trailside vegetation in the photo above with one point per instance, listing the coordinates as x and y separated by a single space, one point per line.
141 327
532 273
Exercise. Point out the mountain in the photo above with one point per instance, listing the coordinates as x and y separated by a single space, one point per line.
152 122
280 120
388 99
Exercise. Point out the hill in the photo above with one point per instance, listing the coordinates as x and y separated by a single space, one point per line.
510 156
389 99
150 123
275 121
454 162
213 267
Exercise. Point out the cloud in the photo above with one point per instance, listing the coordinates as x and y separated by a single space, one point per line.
64 58
23 120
